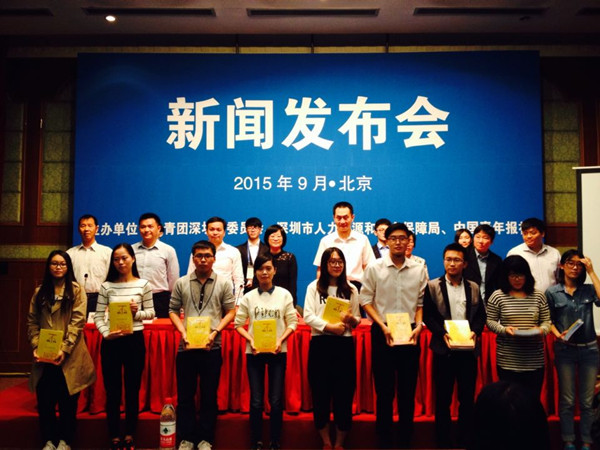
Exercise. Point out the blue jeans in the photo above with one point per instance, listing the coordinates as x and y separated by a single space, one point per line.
569 360
256 378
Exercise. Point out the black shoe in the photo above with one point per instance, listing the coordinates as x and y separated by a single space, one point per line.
275 445
258 445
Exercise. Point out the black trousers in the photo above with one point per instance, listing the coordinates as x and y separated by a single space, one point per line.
394 366
161 304
459 367
332 378
125 355
206 365
52 390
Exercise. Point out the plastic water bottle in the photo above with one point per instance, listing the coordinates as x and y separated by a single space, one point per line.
167 425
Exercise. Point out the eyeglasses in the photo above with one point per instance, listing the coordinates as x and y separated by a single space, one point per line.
516 276
335 262
58 264
397 238
453 260
202 256
573 265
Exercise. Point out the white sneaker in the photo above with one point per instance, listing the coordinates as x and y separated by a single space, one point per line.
62 445
186 445
204 445
49 446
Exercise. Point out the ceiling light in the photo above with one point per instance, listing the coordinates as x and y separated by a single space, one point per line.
110 18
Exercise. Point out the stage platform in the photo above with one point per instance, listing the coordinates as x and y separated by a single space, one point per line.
19 428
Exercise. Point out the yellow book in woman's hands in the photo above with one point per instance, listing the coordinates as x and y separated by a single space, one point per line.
120 317
198 330
49 344
265 335
399 325
334 309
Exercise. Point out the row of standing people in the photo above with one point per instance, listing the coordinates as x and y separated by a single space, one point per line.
145 295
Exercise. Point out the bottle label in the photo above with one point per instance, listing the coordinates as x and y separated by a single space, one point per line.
167 434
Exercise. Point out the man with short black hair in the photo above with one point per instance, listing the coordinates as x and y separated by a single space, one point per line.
91 260
250 249
380 248
355 246
452 297
394 284
482 263
156 262
201 293
228 261
543 260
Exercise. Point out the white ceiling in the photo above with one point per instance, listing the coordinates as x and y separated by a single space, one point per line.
553 20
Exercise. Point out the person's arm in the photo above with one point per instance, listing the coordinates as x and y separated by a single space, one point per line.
172 268
147 310
545 322
99 316
291 321
367 254
311 300
241 316
419 325
293 277
175 304
33 324
352 317
78 319
431 315
589 268
237 274
493 315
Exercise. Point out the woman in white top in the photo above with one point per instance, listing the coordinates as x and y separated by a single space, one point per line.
123 352
263 303
331 357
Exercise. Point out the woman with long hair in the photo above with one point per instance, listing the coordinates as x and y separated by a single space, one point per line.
59 304
463 237
123 352
331 357
571 301
520 316
286 267
268 301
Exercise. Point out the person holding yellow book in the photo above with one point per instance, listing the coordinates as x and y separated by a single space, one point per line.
576 357
123 352
331 357
394 284
59 305
448 298
207 297
267 305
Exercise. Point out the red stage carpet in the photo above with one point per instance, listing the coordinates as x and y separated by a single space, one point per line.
19 428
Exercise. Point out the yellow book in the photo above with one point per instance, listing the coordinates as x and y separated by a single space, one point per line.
120 317
49 344
334 308
198 330
459 332
265 335
399 325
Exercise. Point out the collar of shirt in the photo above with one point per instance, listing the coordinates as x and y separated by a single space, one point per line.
542 250
212 276
94 246
407 262
156 245
351 237
482 257
382 247
270 291
449 283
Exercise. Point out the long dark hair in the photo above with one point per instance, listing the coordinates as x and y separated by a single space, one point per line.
564 258
113 273
519 265
343 288
46 292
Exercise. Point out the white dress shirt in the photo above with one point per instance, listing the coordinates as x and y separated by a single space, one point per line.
157 264
356 248
543 264
90 265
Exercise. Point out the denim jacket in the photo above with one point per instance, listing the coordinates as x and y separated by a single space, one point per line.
566 309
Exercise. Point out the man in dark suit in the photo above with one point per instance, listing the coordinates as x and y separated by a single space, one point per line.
380 247
250 249
483 264
452 297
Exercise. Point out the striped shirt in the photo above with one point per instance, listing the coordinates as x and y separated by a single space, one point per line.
139 290
518 353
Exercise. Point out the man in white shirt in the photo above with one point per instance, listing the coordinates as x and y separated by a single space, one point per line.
90 260
228 261
355 246
250 249
156 262
394 284
543 260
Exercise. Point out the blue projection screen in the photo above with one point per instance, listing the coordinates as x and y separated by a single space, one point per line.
437 140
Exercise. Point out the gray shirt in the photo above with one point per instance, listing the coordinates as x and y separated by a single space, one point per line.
216 302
